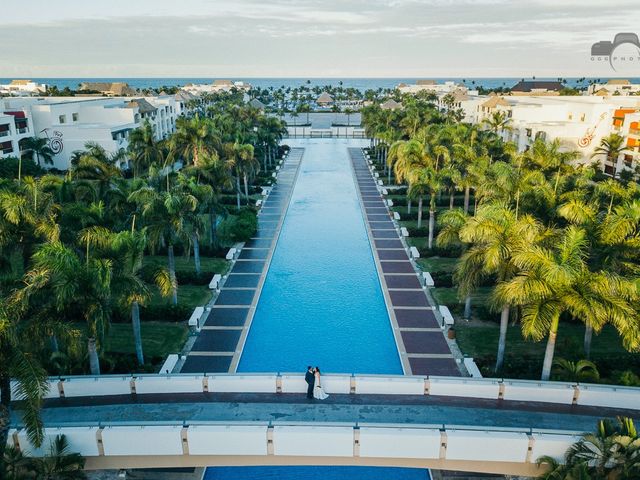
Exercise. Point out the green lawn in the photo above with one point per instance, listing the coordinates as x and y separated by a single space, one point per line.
209 264
438 264
192 295
481 338
158 338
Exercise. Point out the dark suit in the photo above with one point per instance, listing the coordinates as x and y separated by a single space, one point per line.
310 378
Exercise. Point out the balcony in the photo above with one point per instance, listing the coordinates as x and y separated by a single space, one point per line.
634 131
4 133
23 130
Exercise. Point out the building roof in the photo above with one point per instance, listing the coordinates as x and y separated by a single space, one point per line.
184 96
255 103
425 82
115 88
601 92
324 98
618 81
530 85
460 95
223 83
143 105
493 102
20 82
390 104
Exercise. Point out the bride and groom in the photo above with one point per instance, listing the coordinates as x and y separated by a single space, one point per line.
314 387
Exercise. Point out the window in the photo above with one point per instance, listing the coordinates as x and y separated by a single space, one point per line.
74 116
529 132
628 160
6 147
583 117
571 116
62 119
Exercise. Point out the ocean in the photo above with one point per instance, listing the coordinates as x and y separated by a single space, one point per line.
361 84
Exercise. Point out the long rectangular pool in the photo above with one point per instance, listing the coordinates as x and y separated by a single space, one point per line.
321 303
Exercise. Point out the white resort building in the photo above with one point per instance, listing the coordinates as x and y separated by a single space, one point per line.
579 122
70 122
21 88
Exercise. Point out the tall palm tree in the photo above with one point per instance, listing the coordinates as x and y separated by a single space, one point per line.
556 280
19 363
497 122
194 139
40 148
143 149
130 291
163 213
495 235
610 147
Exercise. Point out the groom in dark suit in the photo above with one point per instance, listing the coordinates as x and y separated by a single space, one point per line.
310 378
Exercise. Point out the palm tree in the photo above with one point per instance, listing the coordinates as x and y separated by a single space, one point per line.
127 250
497 122
19 363
580 371
40 148
495 234
194 139
163 213
556 280
611 452
60 463
144 149
610 147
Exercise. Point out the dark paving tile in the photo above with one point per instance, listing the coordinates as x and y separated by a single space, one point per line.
384 234
258 243
434 366
376 210
248 266
424 342
397 267
411 298
217 341
382 225
401 281
227 317
260 254
376 217
206 364
408 318
235 297
249 281
388 243
392 255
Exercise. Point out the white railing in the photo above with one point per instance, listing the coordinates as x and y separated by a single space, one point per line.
485 388
443 442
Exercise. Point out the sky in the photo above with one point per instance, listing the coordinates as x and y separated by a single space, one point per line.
309 38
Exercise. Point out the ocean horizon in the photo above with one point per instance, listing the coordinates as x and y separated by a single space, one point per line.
363 83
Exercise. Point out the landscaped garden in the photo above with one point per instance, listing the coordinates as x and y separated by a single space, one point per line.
544 253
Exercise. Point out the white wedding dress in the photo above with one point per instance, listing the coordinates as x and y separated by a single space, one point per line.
318 391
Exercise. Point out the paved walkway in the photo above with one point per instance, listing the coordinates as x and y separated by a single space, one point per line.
421 342
388 409
219 343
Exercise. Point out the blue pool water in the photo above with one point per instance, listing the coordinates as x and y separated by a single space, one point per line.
315 473
321 303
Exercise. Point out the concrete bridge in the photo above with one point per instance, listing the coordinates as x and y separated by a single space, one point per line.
481 425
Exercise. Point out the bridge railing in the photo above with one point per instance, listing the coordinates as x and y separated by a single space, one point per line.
481 388
443 442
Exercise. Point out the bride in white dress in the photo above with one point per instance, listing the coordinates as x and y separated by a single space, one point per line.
318 391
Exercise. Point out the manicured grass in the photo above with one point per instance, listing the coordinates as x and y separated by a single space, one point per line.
191 295
438 264
158 338
481 338
210 264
